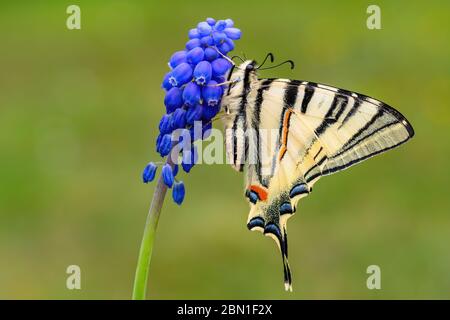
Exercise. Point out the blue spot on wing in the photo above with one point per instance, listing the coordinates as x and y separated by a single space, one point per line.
298 189
252 196
255 222
286 208
273 229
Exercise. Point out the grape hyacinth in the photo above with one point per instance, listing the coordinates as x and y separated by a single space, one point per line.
193 93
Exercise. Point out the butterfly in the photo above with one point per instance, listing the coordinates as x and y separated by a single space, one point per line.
287 134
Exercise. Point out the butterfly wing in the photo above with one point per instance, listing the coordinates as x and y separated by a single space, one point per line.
304 131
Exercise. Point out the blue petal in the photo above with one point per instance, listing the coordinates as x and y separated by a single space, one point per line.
202 72
195 55
229 23
189 159
233 33
220 67
219 79
194 114
165 145
166 84
173 99
178 192
204 29
210 112
211 54
219 37
191 94
212 93
149 172
158 142
211 21
178 119
193 43
177 58
207 41
193 34
175 170
220 25
164 126
227 46
167 175
181 75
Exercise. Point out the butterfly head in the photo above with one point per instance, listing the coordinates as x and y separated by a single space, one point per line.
243 72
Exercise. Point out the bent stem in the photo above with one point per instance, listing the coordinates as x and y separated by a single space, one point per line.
145 252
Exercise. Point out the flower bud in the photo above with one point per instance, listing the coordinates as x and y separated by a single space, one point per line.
233 33
195 55
211 54
173 99
218 37
202 73
227 46
164 124
178 119
220 67
177 58
212 93
166 84
149 172
193 43
167 175
210 112
189 159
229 23
193 34
165 145
204 29
158 141
207 41
191 94
211 21
220 25
178 192
194 114
180 75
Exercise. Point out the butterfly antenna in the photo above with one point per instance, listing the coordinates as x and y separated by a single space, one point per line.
278 65
224 56
236 56
269 55
243 54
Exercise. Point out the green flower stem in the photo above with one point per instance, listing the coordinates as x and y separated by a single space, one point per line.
145 252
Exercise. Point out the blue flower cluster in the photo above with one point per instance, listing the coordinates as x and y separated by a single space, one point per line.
193 94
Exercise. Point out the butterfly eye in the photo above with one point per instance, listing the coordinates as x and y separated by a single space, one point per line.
250 67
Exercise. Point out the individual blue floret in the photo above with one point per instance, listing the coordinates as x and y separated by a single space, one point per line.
178 192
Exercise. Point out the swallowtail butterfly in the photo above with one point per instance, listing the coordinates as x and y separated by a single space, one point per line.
286 134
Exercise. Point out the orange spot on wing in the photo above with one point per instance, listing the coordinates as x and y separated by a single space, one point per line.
260 191
284 135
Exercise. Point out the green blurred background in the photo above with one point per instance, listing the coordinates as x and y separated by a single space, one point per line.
79 112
